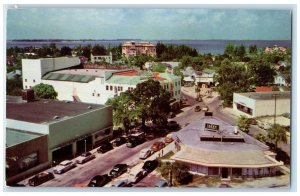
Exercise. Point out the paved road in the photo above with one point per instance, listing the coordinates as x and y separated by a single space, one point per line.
102 164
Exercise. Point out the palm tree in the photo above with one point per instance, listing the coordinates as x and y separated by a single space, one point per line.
243 124
277 134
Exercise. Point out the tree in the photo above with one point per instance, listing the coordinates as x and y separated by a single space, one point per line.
65 51
230 79
186 61
124 112
179 172
152 102
99 50
252 49
229 50
86 51
44 91
243 124
276 134
260 137
14 86
177 72
261 72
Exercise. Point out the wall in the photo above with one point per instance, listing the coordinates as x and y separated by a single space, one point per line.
82 125
27 126
267 107
34 69
39 145
245 101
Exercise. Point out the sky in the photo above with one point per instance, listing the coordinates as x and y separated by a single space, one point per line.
148 24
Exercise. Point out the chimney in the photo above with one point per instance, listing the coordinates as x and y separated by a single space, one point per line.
28 95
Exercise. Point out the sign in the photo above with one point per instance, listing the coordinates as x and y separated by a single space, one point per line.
212 126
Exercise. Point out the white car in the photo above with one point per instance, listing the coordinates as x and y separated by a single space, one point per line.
134 177
85 157
145 153
64 166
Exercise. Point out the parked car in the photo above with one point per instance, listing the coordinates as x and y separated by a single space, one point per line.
136 176
64 166
205 108
122 183
168 138
173 124
119 141
145 153
150 165
161 183
105 147
197 108
157 146
135 139
85 157
118 170
99 181
40 178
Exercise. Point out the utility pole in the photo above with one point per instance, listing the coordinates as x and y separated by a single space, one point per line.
275 97
84 146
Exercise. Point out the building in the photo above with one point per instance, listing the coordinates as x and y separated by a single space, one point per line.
254 104
212 147
13 74
205 78
95 85
133 49
39 132
276 49
102 58
280 80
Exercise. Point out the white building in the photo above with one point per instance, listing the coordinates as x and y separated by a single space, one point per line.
93 85
205 78
212 147
102 58
256 104
280 80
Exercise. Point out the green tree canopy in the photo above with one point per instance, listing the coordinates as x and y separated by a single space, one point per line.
65 51
277 134
152 101
99 50
261 72
158 67
243 124
44 91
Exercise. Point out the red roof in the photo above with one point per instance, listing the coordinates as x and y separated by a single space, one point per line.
156 76
263 89
127 73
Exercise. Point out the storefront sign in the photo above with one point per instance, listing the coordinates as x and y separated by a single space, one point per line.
211 126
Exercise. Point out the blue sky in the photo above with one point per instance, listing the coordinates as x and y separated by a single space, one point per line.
148 24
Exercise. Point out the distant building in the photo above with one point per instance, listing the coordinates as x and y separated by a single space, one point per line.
39 132
212 147
275 48
280 80
133 49
256 104
102 58
263 89
205 78
14 74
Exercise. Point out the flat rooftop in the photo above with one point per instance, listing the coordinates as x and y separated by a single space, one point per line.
267 95
14 137
45 111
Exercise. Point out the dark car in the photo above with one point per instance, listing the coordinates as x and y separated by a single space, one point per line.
157 146
99 181
149 166
119 141
118 170
173 124
40 178
107 146
197 108
135 139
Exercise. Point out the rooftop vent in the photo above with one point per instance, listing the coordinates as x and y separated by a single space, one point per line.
235 130
56 117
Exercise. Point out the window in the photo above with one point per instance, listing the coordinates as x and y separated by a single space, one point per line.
111 88
25 86
30 87
25 80
121 88
107 87
33 81
95 58
98 95
93 94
